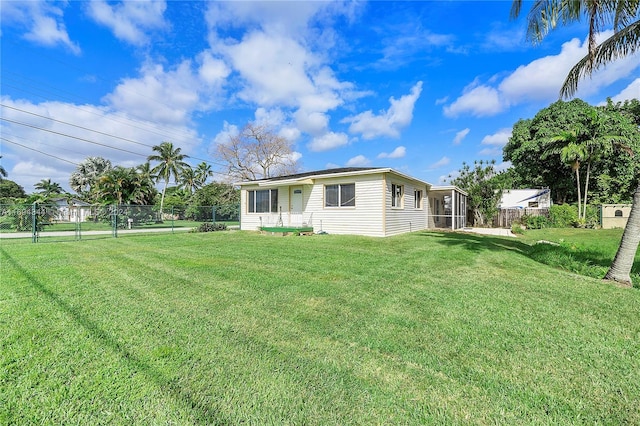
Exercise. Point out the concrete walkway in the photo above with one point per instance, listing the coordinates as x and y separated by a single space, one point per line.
491 231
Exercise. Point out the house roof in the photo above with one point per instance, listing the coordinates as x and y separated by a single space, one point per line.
343 171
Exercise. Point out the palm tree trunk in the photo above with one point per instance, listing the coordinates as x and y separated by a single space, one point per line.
620 269
586 188
164 190
579 198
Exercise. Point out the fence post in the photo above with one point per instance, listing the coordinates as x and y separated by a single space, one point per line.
172 218
34 223
114 221
213 214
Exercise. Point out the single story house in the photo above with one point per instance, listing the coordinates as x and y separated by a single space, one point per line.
362 201
71 210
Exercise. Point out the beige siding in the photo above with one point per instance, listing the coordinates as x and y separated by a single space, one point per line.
406 218
363 219
253 221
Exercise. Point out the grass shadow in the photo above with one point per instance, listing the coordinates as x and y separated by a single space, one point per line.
203 413
579 260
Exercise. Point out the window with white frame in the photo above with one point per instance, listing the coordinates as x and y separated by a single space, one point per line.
340 195
397 192
263 201
417 199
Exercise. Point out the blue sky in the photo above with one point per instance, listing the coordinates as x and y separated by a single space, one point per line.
416 86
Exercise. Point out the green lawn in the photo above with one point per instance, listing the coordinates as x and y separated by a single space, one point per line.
236 327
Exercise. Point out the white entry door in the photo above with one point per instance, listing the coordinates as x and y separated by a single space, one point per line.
296 199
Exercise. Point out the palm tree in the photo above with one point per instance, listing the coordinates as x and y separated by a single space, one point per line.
47 188
189 180
572 155
546 15
87 173
3 172
170 163
203 172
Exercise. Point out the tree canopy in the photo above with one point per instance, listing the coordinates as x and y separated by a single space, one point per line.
535 154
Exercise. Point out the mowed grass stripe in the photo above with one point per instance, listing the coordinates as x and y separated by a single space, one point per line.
232 327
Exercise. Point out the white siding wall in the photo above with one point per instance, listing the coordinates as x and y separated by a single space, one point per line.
253 221
371 216
406 218
366 218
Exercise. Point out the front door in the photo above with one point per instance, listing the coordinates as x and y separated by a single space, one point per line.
296 199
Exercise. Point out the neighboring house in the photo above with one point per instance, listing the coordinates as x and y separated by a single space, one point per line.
614 215
515 203
71 210
362 201
525 198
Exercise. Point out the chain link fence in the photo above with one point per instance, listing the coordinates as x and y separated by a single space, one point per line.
40 221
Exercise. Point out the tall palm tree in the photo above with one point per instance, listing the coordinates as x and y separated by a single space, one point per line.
203 172
47 188
87 173
572 155
3 172
189 180
170 164
546 15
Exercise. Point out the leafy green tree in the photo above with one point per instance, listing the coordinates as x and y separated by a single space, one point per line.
546 15
483 190
84 178
9 190
535 145
170 164
223 197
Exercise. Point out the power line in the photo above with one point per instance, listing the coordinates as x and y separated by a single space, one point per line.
70 136
91 130
38 151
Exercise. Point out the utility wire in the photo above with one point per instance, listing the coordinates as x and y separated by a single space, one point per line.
38 151
91 130
69 136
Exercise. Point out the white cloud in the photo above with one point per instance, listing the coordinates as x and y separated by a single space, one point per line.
129 20
168 96
490 152
387 123
478 101
538 81
632 91
212 71
440 163
329 140
499 139
43 22
130 144
358 161
399 152
228 131
460 136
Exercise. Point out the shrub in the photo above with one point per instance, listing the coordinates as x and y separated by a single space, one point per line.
517 229
211 227
563 215
535 222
